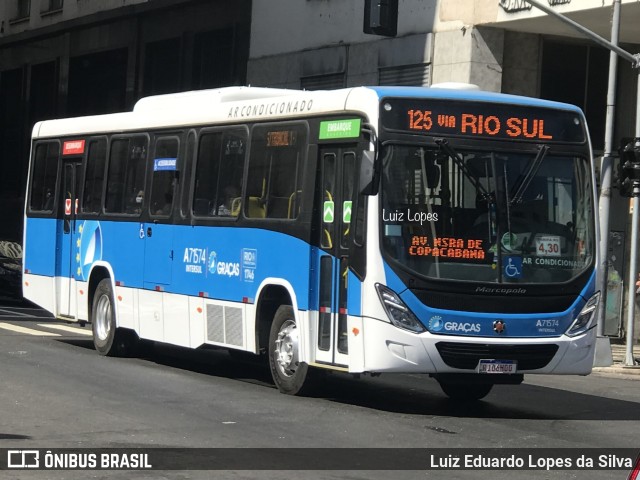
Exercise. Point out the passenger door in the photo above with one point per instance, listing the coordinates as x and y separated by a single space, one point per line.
68 252
335 200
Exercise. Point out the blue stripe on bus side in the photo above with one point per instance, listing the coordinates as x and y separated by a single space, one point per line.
40 246
226 263
230 263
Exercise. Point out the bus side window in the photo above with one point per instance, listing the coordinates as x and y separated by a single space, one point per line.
125 177
94 179
43 178
275 176
228 200
219 170
207 170
163 182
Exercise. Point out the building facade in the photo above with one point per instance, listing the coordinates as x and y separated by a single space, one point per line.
76 57
61 58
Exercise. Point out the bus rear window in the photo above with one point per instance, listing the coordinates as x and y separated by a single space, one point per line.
43 178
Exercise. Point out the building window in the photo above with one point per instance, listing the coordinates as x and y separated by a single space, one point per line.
22 9
214 57
329 81
50 6
412 75
585 69
162 67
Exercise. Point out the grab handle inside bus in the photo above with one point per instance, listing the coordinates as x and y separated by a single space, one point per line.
368 173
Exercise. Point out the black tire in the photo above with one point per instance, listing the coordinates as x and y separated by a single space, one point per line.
107 338
461 392
289 374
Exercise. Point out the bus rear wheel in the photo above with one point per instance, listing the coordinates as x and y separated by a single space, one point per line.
107 338
461 392
288 372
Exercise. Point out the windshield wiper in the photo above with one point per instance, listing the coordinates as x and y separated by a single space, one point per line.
448 149
525 180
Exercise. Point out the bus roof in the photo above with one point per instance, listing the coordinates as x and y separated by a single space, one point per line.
239 104
470 94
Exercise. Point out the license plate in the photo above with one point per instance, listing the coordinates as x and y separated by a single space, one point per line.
497 366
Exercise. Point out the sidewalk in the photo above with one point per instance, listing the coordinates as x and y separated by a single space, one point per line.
619 353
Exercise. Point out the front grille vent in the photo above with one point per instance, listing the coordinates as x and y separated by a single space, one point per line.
467 355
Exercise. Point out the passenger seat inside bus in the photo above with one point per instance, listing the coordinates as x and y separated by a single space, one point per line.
255 207
236 205
294 204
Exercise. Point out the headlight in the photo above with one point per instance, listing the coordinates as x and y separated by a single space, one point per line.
587 314
397 311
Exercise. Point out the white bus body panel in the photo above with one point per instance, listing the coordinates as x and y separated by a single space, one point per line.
126 301
402 351
40 290
176 319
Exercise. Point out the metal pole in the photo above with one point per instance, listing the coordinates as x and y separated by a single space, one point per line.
633 267
634 59
605 170
633 272
635 62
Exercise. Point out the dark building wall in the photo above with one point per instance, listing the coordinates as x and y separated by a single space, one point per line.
104 63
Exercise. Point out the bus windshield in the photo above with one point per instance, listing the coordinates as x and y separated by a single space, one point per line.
487 216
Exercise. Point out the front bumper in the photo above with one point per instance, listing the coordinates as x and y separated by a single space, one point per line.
387 348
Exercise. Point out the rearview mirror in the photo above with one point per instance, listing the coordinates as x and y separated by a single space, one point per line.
367 183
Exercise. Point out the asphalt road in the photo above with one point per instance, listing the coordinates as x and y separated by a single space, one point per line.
57 392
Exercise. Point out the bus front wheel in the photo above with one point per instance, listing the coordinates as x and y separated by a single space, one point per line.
107 338
288 372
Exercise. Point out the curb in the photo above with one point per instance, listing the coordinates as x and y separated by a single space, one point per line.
619 370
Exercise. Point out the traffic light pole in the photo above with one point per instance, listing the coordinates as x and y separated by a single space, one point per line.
629 361
604 203
634 59
606 187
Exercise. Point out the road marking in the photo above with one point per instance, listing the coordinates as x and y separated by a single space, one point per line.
66 328
28 331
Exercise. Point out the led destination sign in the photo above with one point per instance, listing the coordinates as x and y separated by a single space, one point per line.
484 120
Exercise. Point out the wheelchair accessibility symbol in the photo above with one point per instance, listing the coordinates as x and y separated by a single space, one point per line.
512 266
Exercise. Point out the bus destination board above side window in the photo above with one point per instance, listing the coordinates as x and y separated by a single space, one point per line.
281 138
481 120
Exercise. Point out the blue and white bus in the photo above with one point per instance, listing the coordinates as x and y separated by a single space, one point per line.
365 230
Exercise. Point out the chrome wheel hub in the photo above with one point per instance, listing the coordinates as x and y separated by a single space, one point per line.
103 318
286 352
